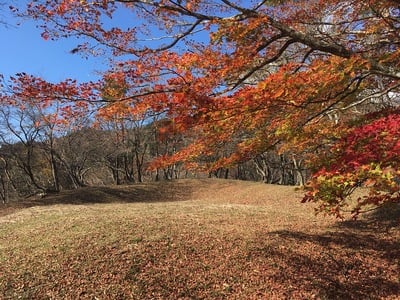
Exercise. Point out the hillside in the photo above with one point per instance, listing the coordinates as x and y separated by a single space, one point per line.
193 239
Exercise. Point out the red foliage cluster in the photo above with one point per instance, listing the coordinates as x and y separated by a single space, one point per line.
369 156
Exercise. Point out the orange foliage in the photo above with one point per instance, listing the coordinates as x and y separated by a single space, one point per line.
298 74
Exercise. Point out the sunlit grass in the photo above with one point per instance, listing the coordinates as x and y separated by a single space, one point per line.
222 240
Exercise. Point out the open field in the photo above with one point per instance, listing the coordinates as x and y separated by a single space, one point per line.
193 239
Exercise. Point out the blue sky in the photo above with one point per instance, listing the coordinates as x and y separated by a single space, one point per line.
24 50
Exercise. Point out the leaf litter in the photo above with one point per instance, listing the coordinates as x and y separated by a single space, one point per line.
212 239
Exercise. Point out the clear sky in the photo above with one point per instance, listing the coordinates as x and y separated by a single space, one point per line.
24 50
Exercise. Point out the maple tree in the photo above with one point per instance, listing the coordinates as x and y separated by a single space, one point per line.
295 76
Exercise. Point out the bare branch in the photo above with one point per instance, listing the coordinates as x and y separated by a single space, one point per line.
264 63
369 97
179 37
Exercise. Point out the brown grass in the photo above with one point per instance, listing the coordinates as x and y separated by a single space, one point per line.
193 239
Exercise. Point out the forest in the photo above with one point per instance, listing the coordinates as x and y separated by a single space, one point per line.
46 158
286 92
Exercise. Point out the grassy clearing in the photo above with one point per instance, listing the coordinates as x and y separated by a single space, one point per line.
193 239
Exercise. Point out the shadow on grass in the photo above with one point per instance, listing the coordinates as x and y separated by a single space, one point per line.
381 219
143 193
356 260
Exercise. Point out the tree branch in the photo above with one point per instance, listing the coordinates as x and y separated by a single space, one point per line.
264 63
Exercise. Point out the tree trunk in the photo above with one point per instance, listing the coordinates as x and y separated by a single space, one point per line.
297 170
54 171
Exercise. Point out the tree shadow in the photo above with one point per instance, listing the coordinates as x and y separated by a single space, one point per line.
381 219
353 260
140 193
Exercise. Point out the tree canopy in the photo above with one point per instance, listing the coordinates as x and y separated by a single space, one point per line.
316 79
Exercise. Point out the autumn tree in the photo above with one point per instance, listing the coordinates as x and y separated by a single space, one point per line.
21 153
127 126
78 152
295 76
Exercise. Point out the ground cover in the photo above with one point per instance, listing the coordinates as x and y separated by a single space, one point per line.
193 239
